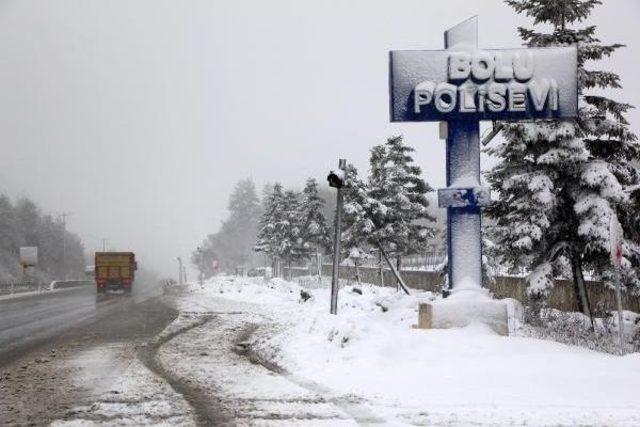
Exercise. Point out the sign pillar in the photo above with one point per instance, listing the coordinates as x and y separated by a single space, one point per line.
464 233
464 236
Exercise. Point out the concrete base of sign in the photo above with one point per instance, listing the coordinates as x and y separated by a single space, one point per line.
459 312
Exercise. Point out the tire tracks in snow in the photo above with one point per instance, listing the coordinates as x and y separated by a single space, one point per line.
352 406
208 412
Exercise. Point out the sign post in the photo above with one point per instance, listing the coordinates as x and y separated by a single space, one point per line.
28 260
461 86
615 239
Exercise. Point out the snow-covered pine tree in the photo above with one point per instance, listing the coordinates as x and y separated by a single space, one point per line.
240 228
400 213
231 246
356 224
559 182
292 246
25 225
269 235
314 231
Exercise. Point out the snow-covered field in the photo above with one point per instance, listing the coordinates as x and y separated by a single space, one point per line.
369 362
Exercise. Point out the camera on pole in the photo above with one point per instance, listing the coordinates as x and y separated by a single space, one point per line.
336 179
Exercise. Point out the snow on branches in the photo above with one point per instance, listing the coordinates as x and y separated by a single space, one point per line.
389 209
560 182
292 226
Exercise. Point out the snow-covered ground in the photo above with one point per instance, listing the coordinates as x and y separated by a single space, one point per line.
368 364
123 392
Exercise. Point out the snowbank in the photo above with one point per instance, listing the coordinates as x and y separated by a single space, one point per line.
469 375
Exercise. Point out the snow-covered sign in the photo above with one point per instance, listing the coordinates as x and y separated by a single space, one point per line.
465 83
615 240
29 256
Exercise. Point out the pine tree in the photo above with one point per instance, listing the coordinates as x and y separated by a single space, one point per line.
400 213
314 232
356 222
232 245
560 182
268 239
240 229
10 241
269 229
292 246
28 217
25 225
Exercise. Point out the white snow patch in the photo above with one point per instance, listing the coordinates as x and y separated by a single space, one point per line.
457 376
123 392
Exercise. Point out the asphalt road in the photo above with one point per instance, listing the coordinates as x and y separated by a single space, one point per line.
27 322
41 336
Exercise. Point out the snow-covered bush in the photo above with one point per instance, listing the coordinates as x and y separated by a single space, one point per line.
575 329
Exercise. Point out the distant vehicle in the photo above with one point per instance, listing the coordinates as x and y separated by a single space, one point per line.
115 271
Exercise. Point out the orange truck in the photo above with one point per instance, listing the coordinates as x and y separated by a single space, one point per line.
115 271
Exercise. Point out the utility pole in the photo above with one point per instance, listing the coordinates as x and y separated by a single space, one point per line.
104 244
200 266
180 270
336 180
64 216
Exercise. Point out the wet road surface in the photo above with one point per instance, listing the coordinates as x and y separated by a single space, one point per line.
30 321
38 336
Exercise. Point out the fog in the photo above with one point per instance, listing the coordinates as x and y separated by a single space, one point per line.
139 116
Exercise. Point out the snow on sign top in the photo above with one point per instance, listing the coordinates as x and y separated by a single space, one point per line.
466 83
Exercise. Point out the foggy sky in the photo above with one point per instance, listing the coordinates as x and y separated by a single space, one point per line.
139 116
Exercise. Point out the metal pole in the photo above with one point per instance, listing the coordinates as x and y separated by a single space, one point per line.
179 270
336 247
200 267
64 245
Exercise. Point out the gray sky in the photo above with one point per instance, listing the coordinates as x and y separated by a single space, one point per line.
139 116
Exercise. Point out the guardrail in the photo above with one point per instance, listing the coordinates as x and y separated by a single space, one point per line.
19 287
22 287
62 284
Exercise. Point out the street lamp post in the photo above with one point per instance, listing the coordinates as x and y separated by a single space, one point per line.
64 216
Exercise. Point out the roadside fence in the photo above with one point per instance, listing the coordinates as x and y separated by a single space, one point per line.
18 287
